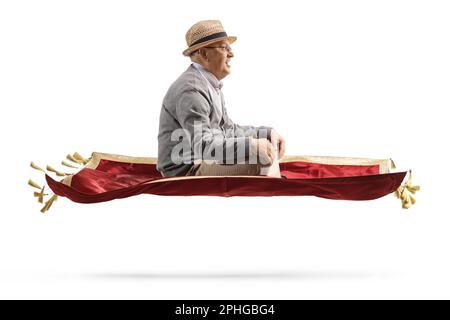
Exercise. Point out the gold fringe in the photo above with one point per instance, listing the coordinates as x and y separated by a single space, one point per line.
34 166
393 166
71 158
64 163
405 192
49 203
58 173
40 195
77 156
34 184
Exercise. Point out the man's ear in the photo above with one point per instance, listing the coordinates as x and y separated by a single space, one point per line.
202 53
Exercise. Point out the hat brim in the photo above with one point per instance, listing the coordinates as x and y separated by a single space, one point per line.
189 50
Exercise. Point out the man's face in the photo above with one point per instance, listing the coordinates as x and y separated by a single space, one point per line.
219 58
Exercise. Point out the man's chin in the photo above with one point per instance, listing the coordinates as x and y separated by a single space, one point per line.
225 72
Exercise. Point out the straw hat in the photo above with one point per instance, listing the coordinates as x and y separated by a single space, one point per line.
204 33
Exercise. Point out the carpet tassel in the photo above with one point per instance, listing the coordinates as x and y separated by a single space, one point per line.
34 184
40 195
65 163
58 173
393 166
49 203
71 158
405 192
34 166
78 157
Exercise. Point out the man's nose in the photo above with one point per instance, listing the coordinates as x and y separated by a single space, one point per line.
230 54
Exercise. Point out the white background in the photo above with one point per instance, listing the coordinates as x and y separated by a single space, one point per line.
341 78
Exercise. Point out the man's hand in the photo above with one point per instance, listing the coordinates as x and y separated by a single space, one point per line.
278 143
264 149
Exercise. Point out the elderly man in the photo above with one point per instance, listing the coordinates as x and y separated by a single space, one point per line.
196 136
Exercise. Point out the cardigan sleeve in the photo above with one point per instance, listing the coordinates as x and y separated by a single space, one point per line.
207 143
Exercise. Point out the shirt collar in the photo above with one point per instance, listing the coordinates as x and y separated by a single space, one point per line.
209 76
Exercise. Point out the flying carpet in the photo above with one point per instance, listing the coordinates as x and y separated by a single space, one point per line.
104 177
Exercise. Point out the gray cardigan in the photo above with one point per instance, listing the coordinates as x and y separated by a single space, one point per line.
188 102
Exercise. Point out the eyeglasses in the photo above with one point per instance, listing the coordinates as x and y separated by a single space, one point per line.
227 48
